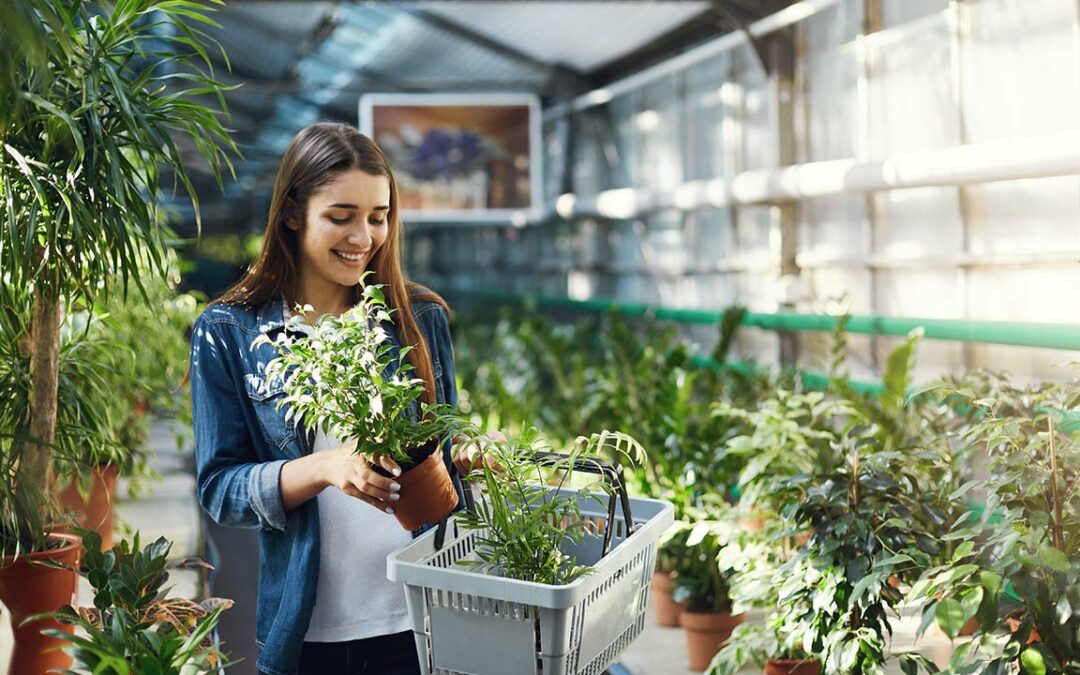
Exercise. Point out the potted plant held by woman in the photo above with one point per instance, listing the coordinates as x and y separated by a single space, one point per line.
345 376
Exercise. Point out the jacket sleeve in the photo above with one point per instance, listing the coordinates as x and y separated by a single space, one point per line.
232 487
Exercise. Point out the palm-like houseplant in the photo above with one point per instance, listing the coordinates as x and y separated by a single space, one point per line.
90 130
80 176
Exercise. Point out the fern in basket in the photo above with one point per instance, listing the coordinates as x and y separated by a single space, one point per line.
526 529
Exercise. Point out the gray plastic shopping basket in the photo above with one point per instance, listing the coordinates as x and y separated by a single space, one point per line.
467 622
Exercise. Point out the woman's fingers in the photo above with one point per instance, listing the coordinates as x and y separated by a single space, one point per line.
371 485
388 464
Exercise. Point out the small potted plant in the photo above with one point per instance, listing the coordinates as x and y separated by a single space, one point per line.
345 376
701 585
776 645
132 626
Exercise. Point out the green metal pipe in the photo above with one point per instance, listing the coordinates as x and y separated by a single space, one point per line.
1047 335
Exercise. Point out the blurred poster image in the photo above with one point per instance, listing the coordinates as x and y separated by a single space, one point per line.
458 156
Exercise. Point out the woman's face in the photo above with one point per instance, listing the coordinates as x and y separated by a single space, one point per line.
345 223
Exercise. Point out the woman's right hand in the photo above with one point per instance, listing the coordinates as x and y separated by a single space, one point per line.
353 475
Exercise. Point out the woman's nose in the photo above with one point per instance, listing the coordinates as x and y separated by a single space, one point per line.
360 238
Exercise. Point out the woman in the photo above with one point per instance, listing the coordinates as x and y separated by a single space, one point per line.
324 604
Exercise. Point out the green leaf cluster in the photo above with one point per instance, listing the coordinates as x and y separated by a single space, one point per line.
133 628
345 376
527 525
1017 566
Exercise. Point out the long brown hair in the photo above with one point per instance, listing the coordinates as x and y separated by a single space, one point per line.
317 155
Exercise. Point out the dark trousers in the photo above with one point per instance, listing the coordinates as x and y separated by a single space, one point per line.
382 655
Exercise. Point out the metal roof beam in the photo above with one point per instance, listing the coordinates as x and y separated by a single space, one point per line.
469 35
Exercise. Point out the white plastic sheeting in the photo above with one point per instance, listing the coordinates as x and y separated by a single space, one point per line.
930 74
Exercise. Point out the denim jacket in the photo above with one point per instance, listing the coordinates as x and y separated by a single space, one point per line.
241 442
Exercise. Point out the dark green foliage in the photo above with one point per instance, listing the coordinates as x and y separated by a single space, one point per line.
132 627
1021 559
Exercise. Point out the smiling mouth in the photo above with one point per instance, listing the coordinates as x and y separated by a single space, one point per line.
351 257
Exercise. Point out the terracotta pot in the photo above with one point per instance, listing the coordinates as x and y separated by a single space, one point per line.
96 512
28 587
665 610
706 633
1014 626
967 630
427 494
792 667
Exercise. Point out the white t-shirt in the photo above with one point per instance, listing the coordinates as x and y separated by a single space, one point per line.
353 598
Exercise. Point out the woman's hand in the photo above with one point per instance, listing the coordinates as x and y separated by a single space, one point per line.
303 478
353 475
470 455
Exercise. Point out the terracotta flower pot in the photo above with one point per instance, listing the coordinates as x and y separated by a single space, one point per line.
665 610
96 512
427 494
1014 626
706 633
792 667
28 587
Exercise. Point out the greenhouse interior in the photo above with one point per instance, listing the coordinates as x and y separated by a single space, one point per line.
539 338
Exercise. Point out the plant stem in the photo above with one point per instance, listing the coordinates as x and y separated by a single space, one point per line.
44 381
1059 537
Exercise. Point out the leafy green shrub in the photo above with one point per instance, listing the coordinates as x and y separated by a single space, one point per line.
133 628
1020 561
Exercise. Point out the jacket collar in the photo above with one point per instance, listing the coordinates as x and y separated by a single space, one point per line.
270 316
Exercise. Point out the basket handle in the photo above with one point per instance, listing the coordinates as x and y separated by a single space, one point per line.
611 471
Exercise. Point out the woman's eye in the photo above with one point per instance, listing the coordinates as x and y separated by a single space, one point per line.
339 221
378 222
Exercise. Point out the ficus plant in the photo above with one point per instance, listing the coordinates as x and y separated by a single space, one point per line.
92 129
345 376
1017 566
527 525
132 627
849 474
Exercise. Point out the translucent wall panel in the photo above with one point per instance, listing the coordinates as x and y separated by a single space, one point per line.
707 103
895 12
752 112
912 105
1020 69
657 133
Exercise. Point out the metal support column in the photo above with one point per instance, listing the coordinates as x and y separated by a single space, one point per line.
781 65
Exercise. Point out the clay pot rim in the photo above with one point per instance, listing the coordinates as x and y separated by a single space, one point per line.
709 619
409 477
73 542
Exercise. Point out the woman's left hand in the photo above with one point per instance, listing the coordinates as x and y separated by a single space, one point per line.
470 456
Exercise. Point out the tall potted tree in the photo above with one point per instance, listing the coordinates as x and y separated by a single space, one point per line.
88 134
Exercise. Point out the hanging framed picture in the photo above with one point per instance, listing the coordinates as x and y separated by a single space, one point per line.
460 157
